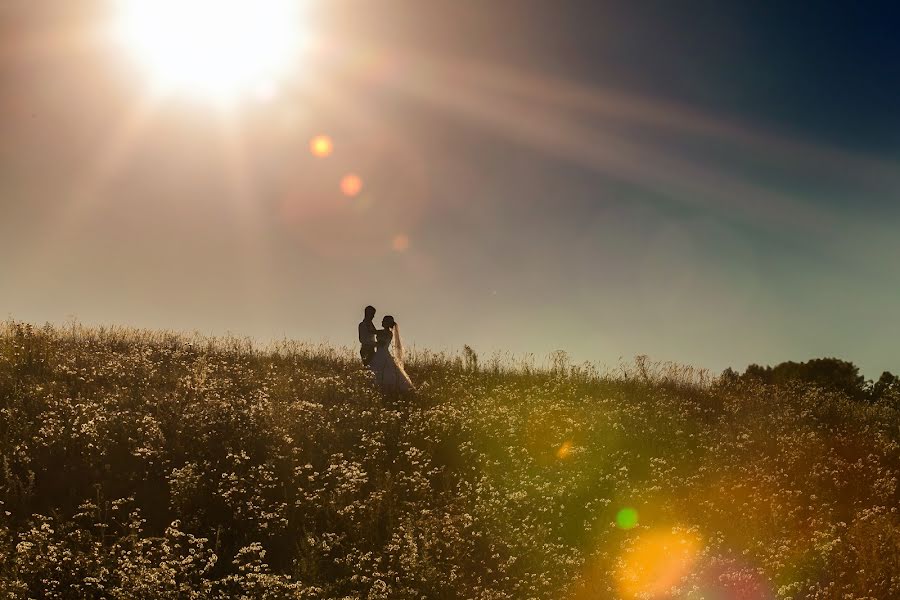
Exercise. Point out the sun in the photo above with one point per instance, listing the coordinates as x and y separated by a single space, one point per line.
219 50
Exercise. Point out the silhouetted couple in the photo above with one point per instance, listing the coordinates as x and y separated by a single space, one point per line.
375 351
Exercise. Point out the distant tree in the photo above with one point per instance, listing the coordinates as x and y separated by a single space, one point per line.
886 388
729 376
828 373
758 373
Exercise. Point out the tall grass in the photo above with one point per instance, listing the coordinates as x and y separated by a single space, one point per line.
143 464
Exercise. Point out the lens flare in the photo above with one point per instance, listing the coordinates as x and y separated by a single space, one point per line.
321 146
627 518
656 563
351 185
400 243
725 578
564 451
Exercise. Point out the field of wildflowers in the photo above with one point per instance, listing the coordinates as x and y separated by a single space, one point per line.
137 464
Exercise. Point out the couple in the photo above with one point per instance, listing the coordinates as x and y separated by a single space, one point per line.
376 354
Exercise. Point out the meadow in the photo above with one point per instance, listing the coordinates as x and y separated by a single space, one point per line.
142 464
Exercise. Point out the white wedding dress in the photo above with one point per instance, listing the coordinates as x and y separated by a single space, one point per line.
389 372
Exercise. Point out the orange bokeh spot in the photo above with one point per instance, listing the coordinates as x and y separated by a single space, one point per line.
656 563
321 146
564 451
351 185
400 243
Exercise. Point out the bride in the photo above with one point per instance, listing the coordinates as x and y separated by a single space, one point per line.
388 367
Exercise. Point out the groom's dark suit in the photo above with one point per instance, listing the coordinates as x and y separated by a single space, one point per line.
367 341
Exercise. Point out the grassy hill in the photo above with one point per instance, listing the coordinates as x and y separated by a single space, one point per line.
138 464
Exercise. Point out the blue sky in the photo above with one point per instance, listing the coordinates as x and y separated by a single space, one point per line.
705 182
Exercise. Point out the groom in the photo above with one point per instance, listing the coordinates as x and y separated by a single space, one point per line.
367 336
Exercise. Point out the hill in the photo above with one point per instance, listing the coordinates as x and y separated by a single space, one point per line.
139 464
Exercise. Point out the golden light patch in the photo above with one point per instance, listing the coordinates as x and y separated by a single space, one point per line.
657 562
564 451
321 146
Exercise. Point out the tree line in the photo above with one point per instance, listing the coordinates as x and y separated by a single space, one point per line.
827 373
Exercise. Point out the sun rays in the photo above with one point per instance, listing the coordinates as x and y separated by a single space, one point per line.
270 61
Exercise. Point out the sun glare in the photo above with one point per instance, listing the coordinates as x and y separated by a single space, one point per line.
220 50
